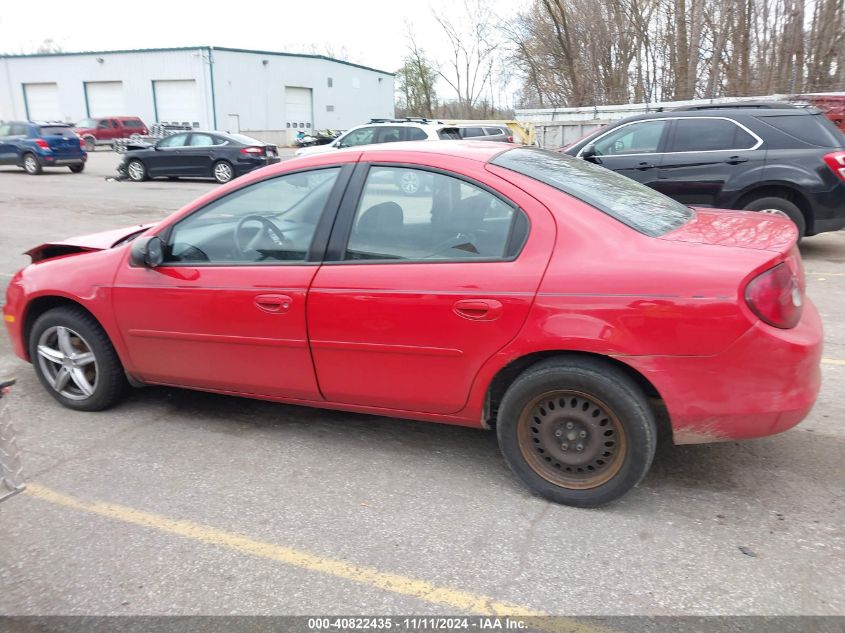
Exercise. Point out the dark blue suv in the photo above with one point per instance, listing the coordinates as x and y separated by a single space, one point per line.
35 146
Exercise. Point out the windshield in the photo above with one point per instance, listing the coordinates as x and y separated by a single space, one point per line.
640 207
86 124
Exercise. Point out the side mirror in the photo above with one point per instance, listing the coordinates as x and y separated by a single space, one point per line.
147 251
589 153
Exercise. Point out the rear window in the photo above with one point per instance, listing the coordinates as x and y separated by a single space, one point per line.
136 123
640 207
246 140
815 129
56 130
449 134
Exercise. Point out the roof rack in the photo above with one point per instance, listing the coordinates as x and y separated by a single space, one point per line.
760 105
407 119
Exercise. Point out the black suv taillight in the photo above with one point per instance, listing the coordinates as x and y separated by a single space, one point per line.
836 161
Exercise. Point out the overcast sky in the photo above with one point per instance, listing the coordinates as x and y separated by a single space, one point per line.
369 32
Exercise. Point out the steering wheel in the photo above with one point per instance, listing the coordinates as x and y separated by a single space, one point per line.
268 230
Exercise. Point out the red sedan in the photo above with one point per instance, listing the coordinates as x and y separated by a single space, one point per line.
575 311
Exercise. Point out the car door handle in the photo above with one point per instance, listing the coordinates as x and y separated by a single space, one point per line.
643 166
736 160
274 304
479 309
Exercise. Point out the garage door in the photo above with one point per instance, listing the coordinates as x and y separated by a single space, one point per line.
105 98
177 101
298 107
42 102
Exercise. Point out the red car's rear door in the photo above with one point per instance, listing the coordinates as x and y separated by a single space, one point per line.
424 286
227 308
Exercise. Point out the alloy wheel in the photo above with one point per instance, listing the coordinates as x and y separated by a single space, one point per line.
67 362
572 439
409 183
30 164
222 172
136 170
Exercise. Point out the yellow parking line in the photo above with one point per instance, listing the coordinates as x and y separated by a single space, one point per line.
386 581
833 361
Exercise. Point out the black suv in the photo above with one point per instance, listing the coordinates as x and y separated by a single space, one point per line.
767 157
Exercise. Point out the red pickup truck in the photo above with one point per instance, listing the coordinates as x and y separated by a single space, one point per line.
104 130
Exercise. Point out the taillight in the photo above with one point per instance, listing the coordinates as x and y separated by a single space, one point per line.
836 161
256 151
42 143
510 139
777 295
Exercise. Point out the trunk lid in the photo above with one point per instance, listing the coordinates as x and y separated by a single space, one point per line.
740 229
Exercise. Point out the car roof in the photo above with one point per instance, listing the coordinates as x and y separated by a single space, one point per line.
787 110
480 151
49 123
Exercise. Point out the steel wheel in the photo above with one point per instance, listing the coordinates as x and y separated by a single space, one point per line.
67 362
571 439
30 164
223 172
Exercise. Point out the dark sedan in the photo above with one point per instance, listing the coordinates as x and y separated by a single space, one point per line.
217 155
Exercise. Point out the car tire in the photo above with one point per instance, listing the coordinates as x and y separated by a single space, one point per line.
577 431
136 170
90 143
780 206
31 164
222 171
75 360
78 169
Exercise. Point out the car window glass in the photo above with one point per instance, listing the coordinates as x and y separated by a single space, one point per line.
469 132
56 130
4 129
416 134
636 138
411 214
815 129
18 129
132 123
699 135
389 135
103 125
177 140
494 131
114 123
267 222
362 136
632 203
449 134
201 140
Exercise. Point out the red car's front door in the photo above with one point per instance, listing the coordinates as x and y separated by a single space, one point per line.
227 308
427 287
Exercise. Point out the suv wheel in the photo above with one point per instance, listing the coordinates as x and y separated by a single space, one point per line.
577 431
782 207
31 164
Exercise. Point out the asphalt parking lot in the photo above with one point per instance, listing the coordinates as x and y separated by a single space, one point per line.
177 502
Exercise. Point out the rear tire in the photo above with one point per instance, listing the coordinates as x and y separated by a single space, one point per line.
78 169
75 360
31 164
136 170
577 431
223 171
780 206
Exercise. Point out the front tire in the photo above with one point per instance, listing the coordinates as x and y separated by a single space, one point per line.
75 360
780 206
222 171
136 170
577 431
31 164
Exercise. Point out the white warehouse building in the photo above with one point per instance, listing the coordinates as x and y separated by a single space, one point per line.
265 94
